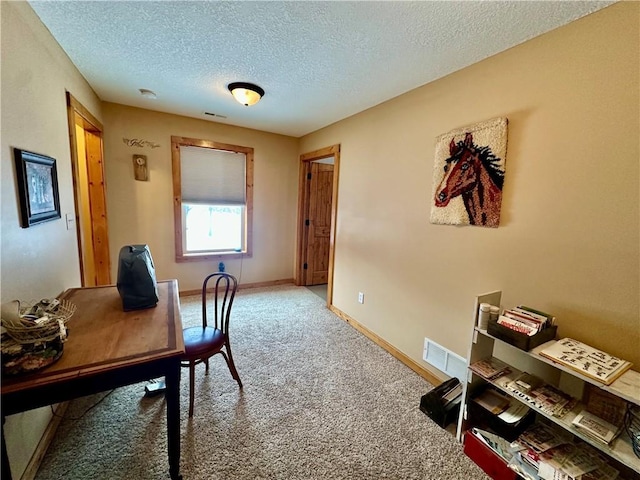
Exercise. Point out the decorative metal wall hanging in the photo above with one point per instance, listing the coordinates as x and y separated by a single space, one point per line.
138 142
140 171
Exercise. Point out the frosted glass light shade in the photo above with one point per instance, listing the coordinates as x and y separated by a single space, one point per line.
246 93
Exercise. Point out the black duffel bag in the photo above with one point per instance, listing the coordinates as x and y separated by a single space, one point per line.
137 278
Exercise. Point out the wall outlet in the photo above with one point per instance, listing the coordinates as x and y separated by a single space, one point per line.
360 297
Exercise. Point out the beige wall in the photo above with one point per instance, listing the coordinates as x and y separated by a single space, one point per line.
40 261
569 235
569 240
142 212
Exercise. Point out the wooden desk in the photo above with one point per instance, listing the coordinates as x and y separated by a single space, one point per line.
108 348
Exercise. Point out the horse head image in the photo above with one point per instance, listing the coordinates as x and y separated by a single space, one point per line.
472 172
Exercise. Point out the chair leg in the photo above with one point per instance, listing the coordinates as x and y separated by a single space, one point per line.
192 379
232 366
206 367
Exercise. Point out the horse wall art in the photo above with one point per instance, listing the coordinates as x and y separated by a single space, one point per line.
469 173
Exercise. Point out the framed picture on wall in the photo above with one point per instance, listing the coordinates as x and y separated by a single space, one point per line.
37 182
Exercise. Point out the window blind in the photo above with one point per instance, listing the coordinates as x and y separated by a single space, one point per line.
212 177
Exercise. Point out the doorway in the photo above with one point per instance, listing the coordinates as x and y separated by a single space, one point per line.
317 207
85 134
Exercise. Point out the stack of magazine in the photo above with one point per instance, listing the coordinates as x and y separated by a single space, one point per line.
595 427
525 386
551 454
552 401
536 440
501 405
575 461
494 442
547 452
535 391
525 320
490 368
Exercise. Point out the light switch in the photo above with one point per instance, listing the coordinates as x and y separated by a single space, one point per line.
70 219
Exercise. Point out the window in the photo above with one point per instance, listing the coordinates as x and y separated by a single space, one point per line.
213 201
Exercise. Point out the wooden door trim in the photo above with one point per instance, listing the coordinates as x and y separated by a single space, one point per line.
303 199
73 141
94 126
320 154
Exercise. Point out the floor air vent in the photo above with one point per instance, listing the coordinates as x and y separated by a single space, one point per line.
444 360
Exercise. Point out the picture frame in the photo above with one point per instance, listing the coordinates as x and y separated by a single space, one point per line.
37 183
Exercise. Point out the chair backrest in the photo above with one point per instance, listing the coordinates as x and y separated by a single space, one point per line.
222 292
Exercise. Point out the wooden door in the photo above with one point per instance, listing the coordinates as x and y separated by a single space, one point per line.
87 162
99 244
318 223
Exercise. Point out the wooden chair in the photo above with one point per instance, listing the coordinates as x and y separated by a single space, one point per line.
201 343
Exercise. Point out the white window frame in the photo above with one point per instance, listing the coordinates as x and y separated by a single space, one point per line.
179 222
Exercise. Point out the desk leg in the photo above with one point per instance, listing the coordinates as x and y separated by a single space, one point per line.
6 468
172 395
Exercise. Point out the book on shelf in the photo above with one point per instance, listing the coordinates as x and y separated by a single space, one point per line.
525 320
605 405
494 442
553 470
551 452
573 460
517 325
490 368
493 401
545 317
522 317
534 391
520 464
603 472
551 400
523 384
595 427
568 407
541 437
530 457
514 413
590 362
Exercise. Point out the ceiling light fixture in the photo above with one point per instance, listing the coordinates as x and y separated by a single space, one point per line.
246 93
147 93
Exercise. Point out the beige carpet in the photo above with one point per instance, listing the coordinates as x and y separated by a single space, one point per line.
320 401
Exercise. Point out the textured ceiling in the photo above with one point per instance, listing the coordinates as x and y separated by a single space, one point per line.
319 62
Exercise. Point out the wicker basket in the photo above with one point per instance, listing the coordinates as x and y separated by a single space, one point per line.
632 426
34 334
41 322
